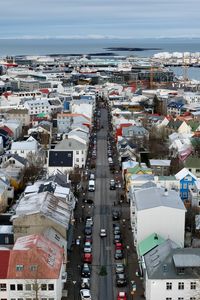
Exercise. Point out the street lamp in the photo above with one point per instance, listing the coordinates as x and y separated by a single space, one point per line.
127 250
74 283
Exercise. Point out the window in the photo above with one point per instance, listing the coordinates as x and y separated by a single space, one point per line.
43 287
185 186
77 152
181 285
20 299
180 298
6 240
2 286
51 298
19 267
77 160
197 170
33 268
20 287
168 298
193 285
28 299
192 298
28 287
168 285
43 298
12 287
50 287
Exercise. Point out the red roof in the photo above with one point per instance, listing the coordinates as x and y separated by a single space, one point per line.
4 262
44 91
7 129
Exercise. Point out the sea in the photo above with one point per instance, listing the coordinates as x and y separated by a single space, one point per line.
91 46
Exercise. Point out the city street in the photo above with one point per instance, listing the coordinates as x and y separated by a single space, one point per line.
103 248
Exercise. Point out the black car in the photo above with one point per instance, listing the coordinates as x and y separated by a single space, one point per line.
89 201
116 215
116 230
117 238
85 272
119 254
112 184
119 268
121 280
88 230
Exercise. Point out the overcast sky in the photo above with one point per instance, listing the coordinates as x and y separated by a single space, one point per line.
99 18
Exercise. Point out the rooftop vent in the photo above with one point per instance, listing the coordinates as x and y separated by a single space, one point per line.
166 192
155 236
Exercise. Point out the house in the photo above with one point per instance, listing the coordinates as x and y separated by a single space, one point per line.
187 180
25 148
192 163
160 167
66 120
20 114
33 267
149 206
194 194
43 105
66 155
171 272
45 210
178 126
174 108
149 243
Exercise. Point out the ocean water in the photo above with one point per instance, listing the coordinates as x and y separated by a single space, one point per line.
89 46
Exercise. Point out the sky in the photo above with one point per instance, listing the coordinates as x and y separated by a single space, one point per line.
99 18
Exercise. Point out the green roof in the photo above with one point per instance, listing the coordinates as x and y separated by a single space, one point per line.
41 115
192 162
149 243
194 125
170 177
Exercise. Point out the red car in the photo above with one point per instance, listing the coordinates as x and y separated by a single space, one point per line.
122 296
87 258
118 246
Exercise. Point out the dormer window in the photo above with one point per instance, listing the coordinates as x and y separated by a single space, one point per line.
181 271
19 267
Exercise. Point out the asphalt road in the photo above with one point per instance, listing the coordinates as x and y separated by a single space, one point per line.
103 255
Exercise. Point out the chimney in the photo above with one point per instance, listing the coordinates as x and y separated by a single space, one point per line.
155 236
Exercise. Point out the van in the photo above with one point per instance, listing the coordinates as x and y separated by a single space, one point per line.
91 186
110 161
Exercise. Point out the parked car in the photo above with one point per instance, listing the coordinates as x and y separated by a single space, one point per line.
85 283
85 294
87 258
88 230
85 272
89 222
87 247
112 184
115 215
117 238
119 268
116 230
133 285
118 246
88 238
119 254
89 201
103 233
122 296
121 280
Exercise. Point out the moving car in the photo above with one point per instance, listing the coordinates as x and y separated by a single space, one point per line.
122 296
85 294
121 280
103 233
85 272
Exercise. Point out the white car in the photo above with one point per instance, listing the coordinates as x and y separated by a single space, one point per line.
87 247
85 294
103 233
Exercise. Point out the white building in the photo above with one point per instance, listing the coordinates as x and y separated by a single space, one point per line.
34 263
43 105
158 210
172 273
25 148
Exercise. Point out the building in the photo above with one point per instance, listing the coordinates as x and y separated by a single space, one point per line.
19 114
160 167
37 212
33 268
25 148
172 273
151 205
44 105
187 180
